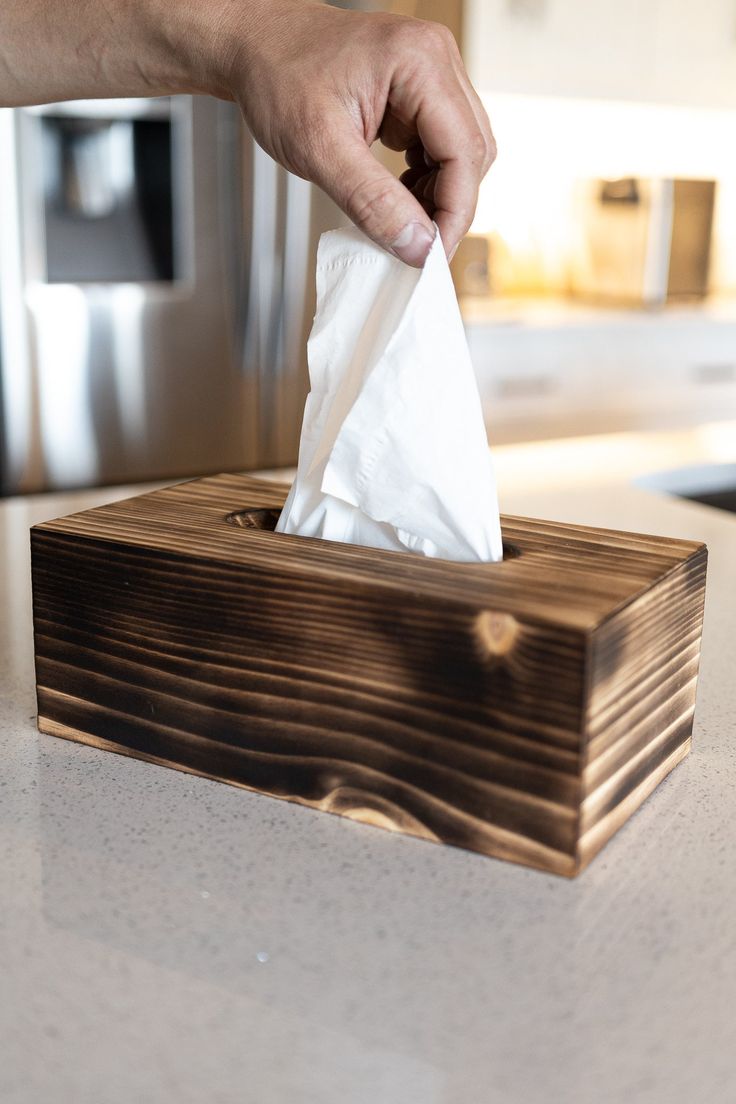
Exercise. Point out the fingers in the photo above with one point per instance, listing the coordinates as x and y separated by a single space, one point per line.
453 139
416 157
439 120
421 183
477 107
373 198
443 123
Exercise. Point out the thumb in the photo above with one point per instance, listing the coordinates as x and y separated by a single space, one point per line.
376 201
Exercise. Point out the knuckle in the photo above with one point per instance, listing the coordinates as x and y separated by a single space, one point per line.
443 33
491 152
478 148
421 36
436 36
372 205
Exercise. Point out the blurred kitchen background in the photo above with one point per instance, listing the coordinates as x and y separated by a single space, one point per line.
156 268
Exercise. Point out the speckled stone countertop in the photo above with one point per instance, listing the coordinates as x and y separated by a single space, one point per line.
168 939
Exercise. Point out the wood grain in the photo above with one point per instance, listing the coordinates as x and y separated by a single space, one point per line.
521 709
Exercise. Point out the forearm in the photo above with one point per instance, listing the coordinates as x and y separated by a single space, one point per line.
74 49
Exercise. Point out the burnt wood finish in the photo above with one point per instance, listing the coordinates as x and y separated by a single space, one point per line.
522 709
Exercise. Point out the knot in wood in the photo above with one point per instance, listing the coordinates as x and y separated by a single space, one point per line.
495 633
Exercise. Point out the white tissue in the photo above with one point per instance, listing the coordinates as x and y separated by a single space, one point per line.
393 450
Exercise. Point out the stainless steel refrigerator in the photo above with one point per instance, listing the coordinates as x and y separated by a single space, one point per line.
156 292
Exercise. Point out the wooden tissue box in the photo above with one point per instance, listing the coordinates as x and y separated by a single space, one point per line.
522 709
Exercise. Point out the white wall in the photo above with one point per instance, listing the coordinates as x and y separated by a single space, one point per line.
663 51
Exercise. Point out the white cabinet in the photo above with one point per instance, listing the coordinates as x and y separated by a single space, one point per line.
600 372
663 51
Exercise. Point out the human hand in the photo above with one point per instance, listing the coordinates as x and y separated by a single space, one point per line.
317 85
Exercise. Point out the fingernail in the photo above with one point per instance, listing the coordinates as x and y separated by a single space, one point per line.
452 253
413 244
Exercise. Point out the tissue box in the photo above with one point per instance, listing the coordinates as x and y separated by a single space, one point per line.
523 709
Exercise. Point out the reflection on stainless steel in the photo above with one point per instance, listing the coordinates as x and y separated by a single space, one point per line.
89 164
128 358
108 200
155 294
62 365
19 441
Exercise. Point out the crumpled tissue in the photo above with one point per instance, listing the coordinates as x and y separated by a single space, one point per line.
393 450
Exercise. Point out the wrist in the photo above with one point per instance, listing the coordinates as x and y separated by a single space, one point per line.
204 47
186 45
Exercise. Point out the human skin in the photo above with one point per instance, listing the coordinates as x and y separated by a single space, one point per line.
316 85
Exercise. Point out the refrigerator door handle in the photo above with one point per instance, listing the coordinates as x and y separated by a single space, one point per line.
252 231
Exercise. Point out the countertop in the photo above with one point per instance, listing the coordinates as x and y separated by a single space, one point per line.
164 938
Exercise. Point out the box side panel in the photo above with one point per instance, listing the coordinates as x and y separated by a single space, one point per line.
644 668
444 721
